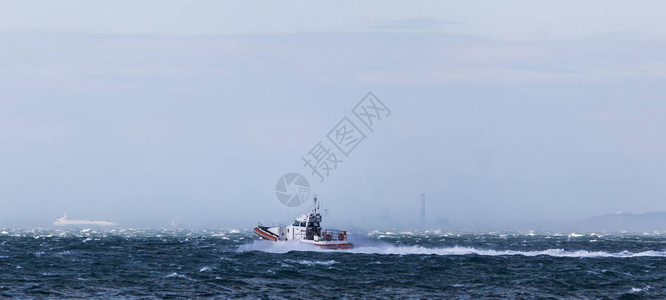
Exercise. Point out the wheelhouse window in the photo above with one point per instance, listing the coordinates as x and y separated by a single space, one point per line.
295 223
302 224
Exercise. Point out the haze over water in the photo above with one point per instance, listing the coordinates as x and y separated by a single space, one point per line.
501 113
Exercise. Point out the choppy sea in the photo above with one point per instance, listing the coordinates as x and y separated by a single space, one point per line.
89 263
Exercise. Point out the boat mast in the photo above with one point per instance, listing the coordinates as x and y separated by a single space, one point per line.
314 211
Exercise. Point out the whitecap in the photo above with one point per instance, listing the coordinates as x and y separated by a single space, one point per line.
313 263
174 274
638 290
204 269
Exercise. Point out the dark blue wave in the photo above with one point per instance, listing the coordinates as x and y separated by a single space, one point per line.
182 263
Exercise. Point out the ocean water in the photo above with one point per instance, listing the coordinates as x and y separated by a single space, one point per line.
235 264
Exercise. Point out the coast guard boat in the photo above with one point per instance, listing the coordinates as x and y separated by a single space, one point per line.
306 229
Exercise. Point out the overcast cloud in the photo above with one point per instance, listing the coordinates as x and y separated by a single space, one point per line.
502 112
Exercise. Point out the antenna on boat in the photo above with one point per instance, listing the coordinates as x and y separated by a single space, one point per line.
315 204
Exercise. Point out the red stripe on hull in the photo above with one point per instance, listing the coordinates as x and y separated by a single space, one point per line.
264 235
336 246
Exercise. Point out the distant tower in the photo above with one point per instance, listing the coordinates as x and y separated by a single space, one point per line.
422 202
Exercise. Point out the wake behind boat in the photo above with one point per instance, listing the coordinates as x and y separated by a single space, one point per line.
306 229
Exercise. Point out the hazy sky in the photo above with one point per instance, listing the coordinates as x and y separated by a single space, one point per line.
143 112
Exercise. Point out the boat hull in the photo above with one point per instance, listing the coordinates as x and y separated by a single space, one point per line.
265 234
330 245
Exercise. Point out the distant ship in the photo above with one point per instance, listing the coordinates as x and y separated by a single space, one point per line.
64 221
